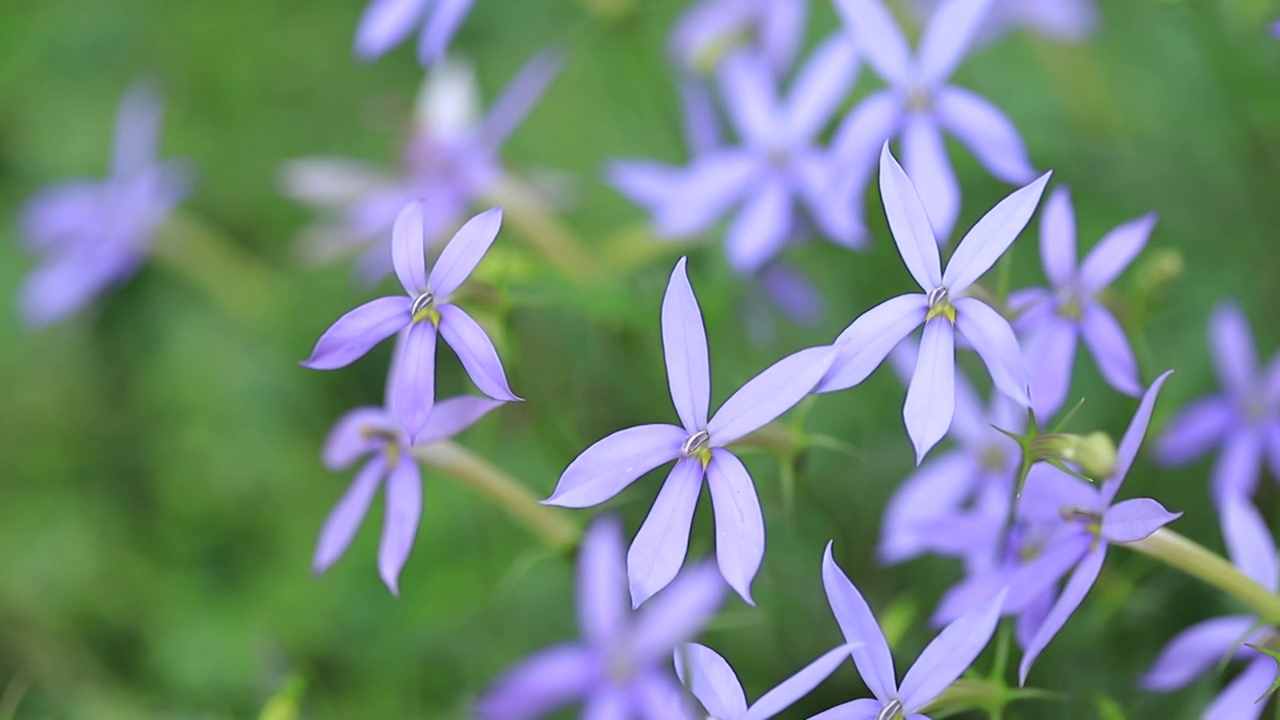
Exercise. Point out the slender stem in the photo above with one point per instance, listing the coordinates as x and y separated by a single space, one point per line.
1193 559
544 232
491 482
204 256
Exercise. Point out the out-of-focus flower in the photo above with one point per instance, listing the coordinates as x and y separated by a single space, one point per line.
919 104
419 315
617 669
1071 21
387 23
777 166
450 164
1243 420
939 664
1204 646
373 432
710 30
95 234
941 308
710 679
698 447
1052 320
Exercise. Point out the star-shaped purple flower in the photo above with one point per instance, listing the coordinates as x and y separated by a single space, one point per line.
919 104
92 235
942 308
698 447
1243 420
373 432
1204 646
939 664
387 23
1053 320
618 670
710 29
710 679
419 315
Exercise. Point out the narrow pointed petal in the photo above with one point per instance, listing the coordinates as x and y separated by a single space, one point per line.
442 24
542 683
350 439
711 680
1072 595
862 134
703 193
781 31
1127 451
1249 543
909 223
869 649
1051 356
931 396
947 37
1196 651
677 614
739 521
1030 581
1242 699
1235 473
1231 343
355 333
1133 520
602 583
950 654
1194 430
699 117
938 488
983 245
521 95
400 522
988 133
1058 237
413 379
869 339
924 155
789 691
1110 349
748 93
822 85
658 697
659 549
409 249
769 394
761 229
864 709
839 220
137 130
345 518
1114 252
59 214
793 293
684 343
473 347
1049 489
990 335
608 702
611 464
385 24
452 416
464 251
877 34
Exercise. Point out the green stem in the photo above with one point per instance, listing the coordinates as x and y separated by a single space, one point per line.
205 257
491 482
543 231
1193 559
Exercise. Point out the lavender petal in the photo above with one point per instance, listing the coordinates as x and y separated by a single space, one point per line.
739 521
344 520
602 582
1110 349
861 630
442 23
412 382
711 680
464 251
988 133
909 223
987 240
611 464
950 654
400 523
761 228
385 24
473 347
947 37
659 549
1114 252
769 394
1072 595
869 339
995 343
355 333
924 154
877 34
931 396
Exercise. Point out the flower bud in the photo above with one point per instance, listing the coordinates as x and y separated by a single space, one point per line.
1094 454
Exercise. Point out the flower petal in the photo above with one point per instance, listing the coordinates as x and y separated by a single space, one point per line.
1197 650
472 346
412 382
1249 543
1033 579
1242 699
385 24
344 520
1194 430
868 340
769 394
659 549
1058 237
988 133
711 680
937 488
840 221
950 654
464 251
877 34
658 697
739 521
1051 356
1127 452
1110 349
909 222
684 343
864 709
1133 520
1072 595
780 31
983 245
797 686
869 648
137 130
355 333
760 230
1231 343
699 117
409 248
521 94
614 462
702 193
350 437
1114 252
603 610
608 702
924 154
542 683
452 416
677 614
442 24
862 134
931 396
747 86
947 37
400 522
1235 474
820 88
990 335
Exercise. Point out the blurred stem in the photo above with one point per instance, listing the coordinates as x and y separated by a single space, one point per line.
544 231
209 259
1193 559
610 11
14 691
490 482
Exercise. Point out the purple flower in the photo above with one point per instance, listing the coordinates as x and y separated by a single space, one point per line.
1052 320
450 164
1243 420
1066 20
939 664
1087 519
372 432
710 679
942 308
418 316
617 669
919 104
778 166
1204 646
92 235
711 29
387 23
698 447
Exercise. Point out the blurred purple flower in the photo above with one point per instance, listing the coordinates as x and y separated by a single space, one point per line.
778 166
373 432
387 23
698 447
1088 519
712 29
710 679
1065 20
1052 320
92 235
1206 645
418 316
942 308
616 670
1243 420
451 163
919 104
938 665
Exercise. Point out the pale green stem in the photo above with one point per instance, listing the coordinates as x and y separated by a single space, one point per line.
524 211
491 482
205 257
1178 552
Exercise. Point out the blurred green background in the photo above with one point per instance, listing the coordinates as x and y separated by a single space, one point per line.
160 485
